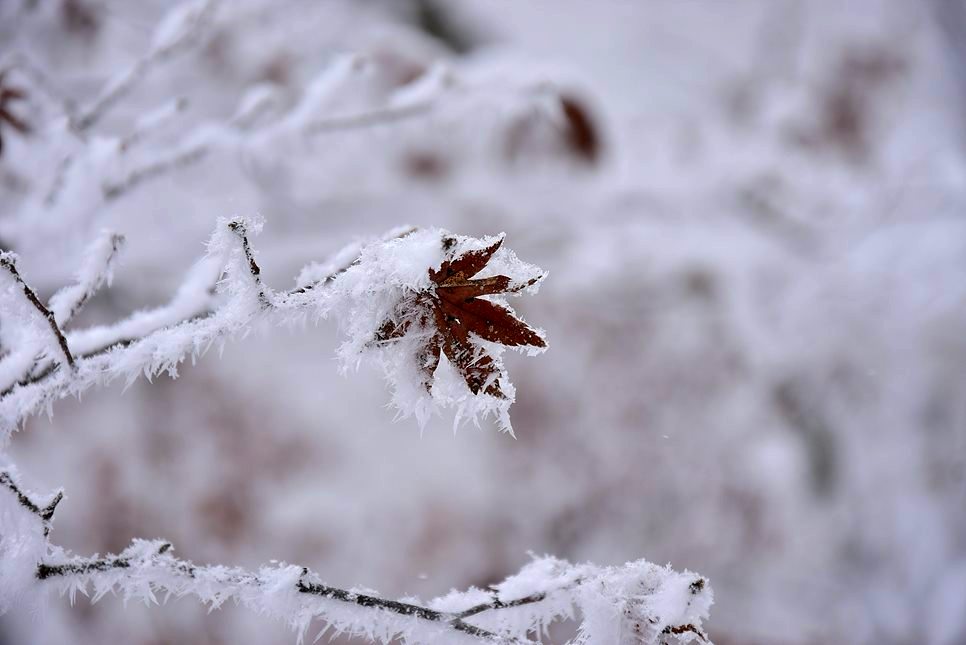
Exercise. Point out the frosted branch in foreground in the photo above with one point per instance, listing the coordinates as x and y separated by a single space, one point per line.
365 287
97 270
18 297
637 603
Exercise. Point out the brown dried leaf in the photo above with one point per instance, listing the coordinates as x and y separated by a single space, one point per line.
466 266
453 307
492 322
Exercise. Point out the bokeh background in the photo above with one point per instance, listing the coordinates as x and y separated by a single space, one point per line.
756 304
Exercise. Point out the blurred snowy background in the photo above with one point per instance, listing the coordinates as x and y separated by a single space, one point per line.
753 217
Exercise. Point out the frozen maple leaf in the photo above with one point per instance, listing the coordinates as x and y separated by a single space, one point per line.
9 95
453 308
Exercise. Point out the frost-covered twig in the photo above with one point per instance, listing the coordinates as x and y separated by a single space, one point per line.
97 271
153 121
197 145
119 171
8 262
63 306
60 178
636 603
45 512
178 30
154 564
303 120
179 157
394 283
368 119
496 603
155 341
143 128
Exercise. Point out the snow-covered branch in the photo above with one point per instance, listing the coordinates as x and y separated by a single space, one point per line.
635 603
394 283
179 30
82 171
148 342
38 312
45 512
197 145
97 270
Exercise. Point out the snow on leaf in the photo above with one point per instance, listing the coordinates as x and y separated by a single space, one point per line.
454 309
430 306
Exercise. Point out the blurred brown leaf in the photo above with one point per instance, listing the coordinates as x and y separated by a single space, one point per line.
8 95
581 133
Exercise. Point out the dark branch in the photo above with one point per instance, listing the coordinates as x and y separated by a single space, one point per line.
9 265
496 603
405 609
238 228
45 513
81 567
45 571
